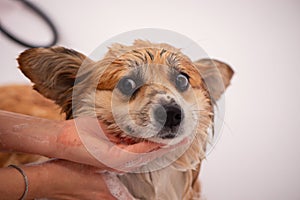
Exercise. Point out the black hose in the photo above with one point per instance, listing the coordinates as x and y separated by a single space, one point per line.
44 17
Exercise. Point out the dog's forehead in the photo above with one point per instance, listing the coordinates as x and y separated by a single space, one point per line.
153 58
152 62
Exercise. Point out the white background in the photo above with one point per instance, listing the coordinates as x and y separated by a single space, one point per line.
257 157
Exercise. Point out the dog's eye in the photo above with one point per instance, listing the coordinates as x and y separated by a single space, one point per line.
182 82
127 86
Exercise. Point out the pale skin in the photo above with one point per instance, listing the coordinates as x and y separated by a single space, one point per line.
61 179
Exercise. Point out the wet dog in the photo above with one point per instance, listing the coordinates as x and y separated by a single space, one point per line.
141 92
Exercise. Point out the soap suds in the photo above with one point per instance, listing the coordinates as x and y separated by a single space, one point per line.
117 189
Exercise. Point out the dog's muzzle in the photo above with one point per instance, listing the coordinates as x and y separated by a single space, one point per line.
169 118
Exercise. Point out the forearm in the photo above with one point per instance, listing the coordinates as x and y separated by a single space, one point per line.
60 139
56 139
22 133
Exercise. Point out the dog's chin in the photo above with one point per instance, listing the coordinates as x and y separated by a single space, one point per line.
171 136
164 138
168 141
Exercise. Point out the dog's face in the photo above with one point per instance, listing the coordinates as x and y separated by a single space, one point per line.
157 94
143 92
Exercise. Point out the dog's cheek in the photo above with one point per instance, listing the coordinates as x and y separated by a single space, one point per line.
197 103
103 105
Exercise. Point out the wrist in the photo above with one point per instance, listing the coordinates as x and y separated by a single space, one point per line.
55 179
40 180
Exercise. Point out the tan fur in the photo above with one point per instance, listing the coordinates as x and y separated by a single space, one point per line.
54 70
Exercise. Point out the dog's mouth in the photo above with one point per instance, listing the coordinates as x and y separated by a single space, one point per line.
129 140
163 136
124 138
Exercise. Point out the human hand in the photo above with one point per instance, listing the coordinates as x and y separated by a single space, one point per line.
77 181
80 140
65 180
86 140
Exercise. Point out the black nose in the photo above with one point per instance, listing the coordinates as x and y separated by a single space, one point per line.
168 116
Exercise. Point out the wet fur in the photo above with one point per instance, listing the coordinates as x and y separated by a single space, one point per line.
55 70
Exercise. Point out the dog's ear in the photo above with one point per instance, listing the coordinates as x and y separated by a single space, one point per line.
216 75
52 70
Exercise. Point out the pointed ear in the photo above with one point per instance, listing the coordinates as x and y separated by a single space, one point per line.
52 70
216 75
